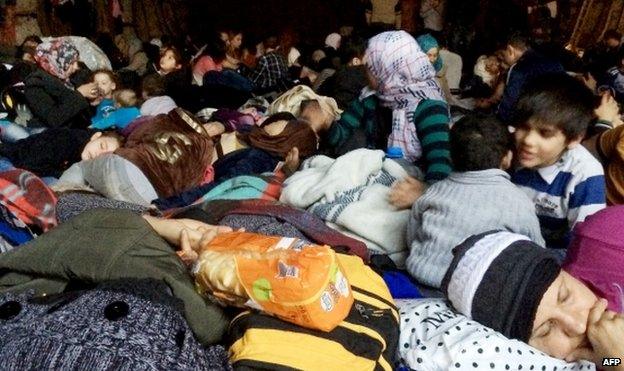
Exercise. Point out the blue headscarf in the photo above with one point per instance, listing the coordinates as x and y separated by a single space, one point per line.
428 42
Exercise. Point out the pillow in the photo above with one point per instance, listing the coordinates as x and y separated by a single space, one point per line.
119 179
435 337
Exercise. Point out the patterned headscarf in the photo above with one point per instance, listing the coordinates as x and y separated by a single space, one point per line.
56 57
405 78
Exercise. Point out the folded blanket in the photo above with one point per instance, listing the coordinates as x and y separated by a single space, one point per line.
352 192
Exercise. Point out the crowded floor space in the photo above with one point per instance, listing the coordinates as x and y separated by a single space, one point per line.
311 185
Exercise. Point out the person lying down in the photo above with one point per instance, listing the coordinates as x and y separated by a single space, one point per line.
510 284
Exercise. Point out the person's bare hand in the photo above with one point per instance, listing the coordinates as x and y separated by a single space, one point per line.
171 229
608 109
405 192
605 331
89 90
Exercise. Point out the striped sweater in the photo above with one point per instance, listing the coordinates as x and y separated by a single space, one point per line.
564 193
432 125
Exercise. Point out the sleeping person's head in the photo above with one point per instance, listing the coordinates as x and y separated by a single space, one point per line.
510 284
101 143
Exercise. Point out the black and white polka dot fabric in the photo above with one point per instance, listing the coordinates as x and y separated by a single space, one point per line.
435 337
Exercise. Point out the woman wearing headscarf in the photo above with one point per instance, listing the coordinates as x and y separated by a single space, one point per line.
430 46
571 311
404 81
51 97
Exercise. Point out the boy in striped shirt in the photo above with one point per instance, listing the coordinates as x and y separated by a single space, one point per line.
563 179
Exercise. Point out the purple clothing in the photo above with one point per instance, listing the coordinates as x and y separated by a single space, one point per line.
234 120
596 255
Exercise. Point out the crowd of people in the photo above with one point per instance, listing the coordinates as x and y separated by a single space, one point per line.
498 188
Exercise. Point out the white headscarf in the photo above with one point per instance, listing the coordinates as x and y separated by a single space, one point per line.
333 40
405 78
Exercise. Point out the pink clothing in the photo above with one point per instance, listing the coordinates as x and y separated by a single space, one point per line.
596 255
204 64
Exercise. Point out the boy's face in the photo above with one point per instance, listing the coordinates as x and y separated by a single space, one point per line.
104 84
511 55
168 62
99 145
540 146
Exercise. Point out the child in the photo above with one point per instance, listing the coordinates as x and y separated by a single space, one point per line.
177 79
170 61
477 197
155 100
101 143
106 83
565 182
404 81
125 111
53 151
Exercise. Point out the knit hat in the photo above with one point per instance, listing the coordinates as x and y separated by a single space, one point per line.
498 279
428 42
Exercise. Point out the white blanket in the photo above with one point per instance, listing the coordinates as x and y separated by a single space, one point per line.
352 192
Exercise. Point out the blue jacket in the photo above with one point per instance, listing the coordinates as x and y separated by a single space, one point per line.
119 118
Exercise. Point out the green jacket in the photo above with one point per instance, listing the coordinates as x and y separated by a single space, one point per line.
102 245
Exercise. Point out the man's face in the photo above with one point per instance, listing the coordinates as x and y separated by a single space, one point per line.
511 55
560 326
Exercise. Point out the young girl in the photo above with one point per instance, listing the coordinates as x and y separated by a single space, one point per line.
170 61
233 53
177 78
404 80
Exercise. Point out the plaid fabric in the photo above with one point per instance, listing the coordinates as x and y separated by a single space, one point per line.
28 198
271 71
